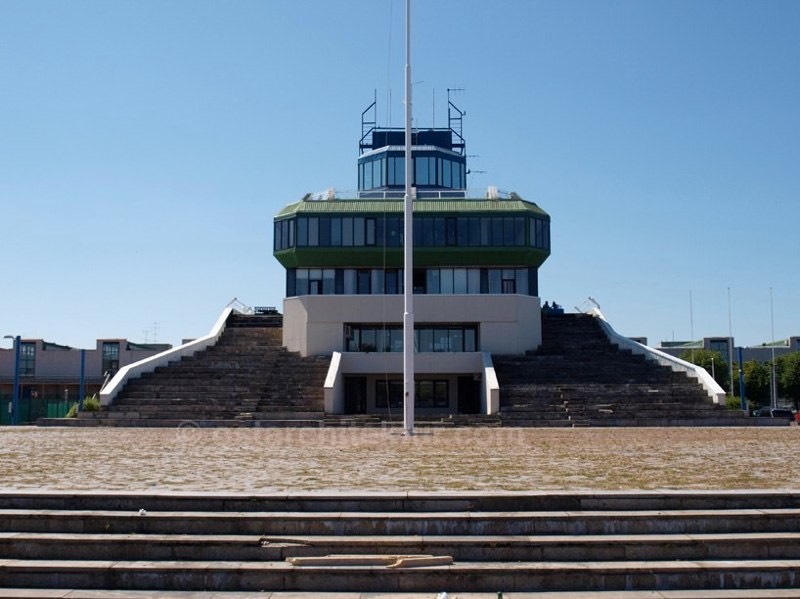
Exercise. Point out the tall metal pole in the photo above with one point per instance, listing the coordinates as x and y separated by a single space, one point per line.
15 395
730 342
82 384
742 397
408 253
691 322
774 386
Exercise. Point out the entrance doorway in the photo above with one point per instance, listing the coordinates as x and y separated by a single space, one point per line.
469 395
355 395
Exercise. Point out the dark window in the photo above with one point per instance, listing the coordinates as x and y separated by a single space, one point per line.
392 282
380 231
431 394
27 359
519 230
508 230
313 231
336 232
462 229
447 173
394 233
438 232
509 281
389 394
363 281
497 231
347 231
338 285
301 281
486 231
325 231
110 357
358 231
370 231
474 231
428 235
451 231
302 231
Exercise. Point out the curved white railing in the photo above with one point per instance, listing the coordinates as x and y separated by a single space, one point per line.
715 392
137 369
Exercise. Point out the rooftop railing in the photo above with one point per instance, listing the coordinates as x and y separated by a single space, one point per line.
490 193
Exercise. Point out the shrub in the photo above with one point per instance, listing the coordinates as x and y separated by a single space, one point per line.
91 404
73 411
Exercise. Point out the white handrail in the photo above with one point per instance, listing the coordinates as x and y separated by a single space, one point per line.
135 370
714 391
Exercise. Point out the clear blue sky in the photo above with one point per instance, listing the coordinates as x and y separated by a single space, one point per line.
145 147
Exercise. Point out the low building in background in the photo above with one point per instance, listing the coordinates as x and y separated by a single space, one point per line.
51 375
725 345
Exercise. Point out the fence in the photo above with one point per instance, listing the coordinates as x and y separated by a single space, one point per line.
32 408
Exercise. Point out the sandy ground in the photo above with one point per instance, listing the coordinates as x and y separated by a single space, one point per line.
267 460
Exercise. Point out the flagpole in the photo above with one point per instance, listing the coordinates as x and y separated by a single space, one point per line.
408 252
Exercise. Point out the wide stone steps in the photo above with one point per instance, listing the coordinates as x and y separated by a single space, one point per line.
162 594
637 545
245 379
577 378
418 523
226 576
516 548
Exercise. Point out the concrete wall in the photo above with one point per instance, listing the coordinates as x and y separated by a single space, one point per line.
509 324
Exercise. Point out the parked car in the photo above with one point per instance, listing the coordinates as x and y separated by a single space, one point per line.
767 412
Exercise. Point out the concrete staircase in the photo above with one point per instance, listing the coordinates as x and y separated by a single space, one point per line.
246 379
637 544
578 378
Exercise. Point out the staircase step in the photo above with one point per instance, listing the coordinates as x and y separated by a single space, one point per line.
458 577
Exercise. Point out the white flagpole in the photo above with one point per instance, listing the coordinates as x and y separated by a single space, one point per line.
408 254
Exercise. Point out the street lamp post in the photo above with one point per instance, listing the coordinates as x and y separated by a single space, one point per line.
15 393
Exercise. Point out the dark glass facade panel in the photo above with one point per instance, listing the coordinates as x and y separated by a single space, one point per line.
427 338
429 231
430 170
430 281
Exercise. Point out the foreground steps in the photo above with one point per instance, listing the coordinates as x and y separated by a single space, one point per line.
108 594
730 544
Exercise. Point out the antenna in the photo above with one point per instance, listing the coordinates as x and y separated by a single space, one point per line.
455 118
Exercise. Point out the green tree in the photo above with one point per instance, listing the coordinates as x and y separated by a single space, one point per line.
712 361
756 381
788 367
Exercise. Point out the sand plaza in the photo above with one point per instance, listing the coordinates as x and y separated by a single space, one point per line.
259 460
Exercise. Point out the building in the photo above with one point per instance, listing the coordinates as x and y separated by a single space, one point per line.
51 378
476 262
724 345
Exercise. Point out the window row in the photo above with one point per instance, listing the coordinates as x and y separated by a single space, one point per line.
381 171
389 338
429 231
378 281
427 394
